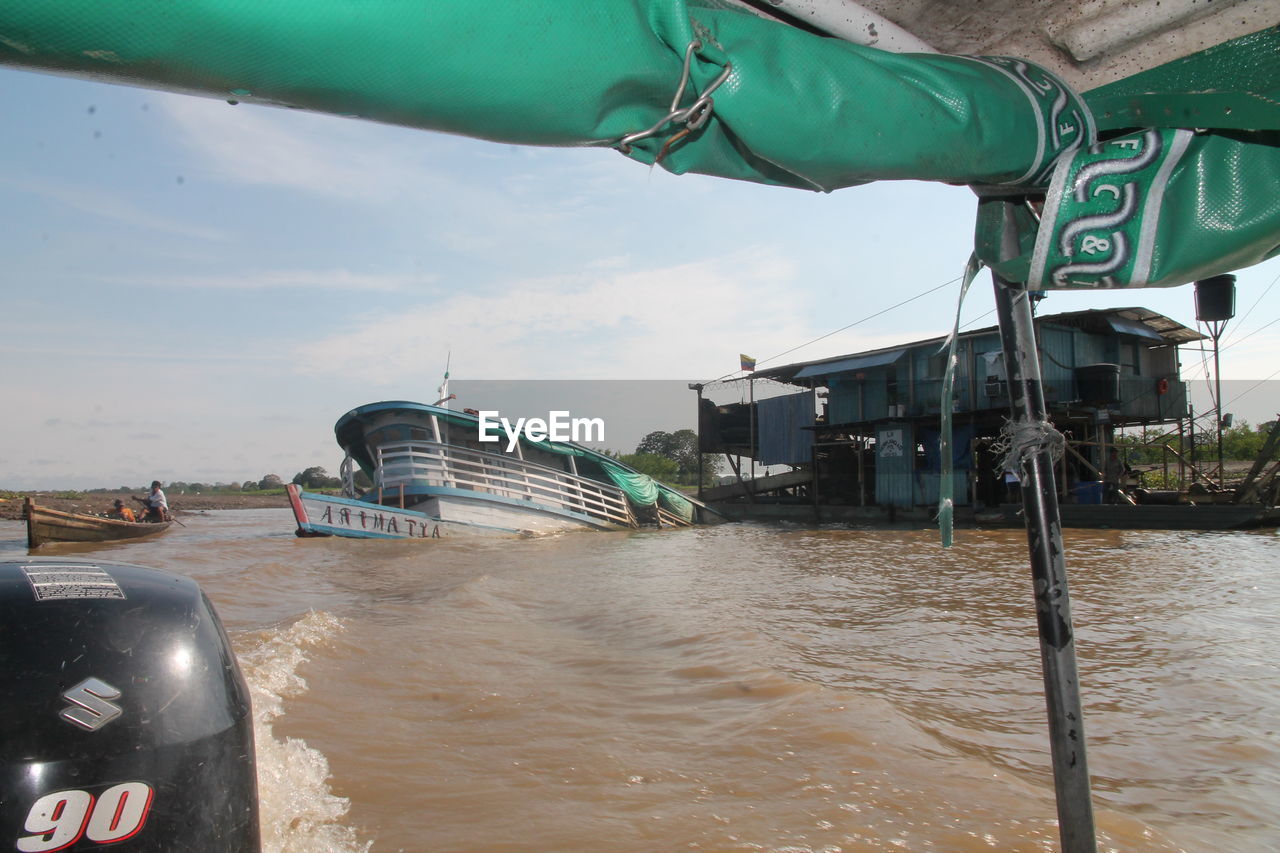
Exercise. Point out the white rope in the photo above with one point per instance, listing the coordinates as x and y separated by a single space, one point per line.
1021 440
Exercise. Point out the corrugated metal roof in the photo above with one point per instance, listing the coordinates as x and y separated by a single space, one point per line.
1140 322
1132 327
844 365
1130 321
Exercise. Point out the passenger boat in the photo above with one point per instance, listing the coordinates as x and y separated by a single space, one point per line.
438 472
46 525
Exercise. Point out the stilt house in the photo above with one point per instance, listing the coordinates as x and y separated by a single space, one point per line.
863 429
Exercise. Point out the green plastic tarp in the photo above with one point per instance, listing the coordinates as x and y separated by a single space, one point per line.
676 503
793 109
641 489
1158 207
701 87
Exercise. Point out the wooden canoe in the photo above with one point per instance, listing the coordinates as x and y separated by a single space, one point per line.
50 525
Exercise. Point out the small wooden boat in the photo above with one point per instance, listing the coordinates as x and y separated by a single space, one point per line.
52 525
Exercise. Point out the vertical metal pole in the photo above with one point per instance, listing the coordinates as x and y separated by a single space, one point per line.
698 388
1191 426
1049 575
1217 401
1048 563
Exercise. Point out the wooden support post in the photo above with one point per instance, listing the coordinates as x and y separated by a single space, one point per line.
737 472
28 513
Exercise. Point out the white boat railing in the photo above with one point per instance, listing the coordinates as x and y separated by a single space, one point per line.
428 463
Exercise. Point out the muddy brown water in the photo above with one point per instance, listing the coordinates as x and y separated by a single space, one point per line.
739 688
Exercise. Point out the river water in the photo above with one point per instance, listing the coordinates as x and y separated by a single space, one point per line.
737 688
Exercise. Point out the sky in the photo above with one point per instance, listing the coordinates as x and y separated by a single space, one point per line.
194 290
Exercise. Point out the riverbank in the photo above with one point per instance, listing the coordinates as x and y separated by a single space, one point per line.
100 502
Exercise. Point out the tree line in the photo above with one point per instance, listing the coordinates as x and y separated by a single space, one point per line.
672 457
313 478
1240 442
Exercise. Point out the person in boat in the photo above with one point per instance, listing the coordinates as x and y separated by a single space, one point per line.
156 503
1114 472
122 512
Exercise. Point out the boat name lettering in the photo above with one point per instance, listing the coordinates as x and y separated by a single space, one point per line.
558 426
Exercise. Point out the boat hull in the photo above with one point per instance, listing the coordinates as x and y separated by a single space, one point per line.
435 517
45 526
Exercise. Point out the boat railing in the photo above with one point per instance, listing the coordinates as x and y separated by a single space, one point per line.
431 464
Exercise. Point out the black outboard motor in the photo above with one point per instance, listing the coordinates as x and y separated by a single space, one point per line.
124 720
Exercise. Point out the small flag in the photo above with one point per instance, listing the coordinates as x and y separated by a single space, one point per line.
748 363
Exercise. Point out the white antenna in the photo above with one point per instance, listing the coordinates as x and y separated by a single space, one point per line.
443 390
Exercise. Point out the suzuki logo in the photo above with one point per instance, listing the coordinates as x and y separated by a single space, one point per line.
90 708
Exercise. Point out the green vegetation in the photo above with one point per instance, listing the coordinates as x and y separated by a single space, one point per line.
316 477
1240 442
658 467
679 447
269 484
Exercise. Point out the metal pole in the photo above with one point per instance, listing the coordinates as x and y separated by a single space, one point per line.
1217 402
751 384
1191 426
1049 576
1048 565
698 388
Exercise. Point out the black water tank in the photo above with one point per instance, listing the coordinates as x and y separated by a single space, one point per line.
126 720
1098 384
1216 298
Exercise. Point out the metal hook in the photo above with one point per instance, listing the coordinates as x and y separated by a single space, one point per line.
693 117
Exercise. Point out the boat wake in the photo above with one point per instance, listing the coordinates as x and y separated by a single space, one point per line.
297 810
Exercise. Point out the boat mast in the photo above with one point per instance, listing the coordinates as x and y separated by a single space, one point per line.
443 391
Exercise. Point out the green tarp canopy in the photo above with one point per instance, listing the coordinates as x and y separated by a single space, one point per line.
792 109
700 86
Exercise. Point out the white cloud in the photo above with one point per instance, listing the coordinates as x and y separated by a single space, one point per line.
331 279
678 321
334 157
112 206
468 196
257 146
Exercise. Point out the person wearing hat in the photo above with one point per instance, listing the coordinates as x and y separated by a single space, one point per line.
122 512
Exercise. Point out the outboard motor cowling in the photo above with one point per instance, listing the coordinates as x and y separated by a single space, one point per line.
126 721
